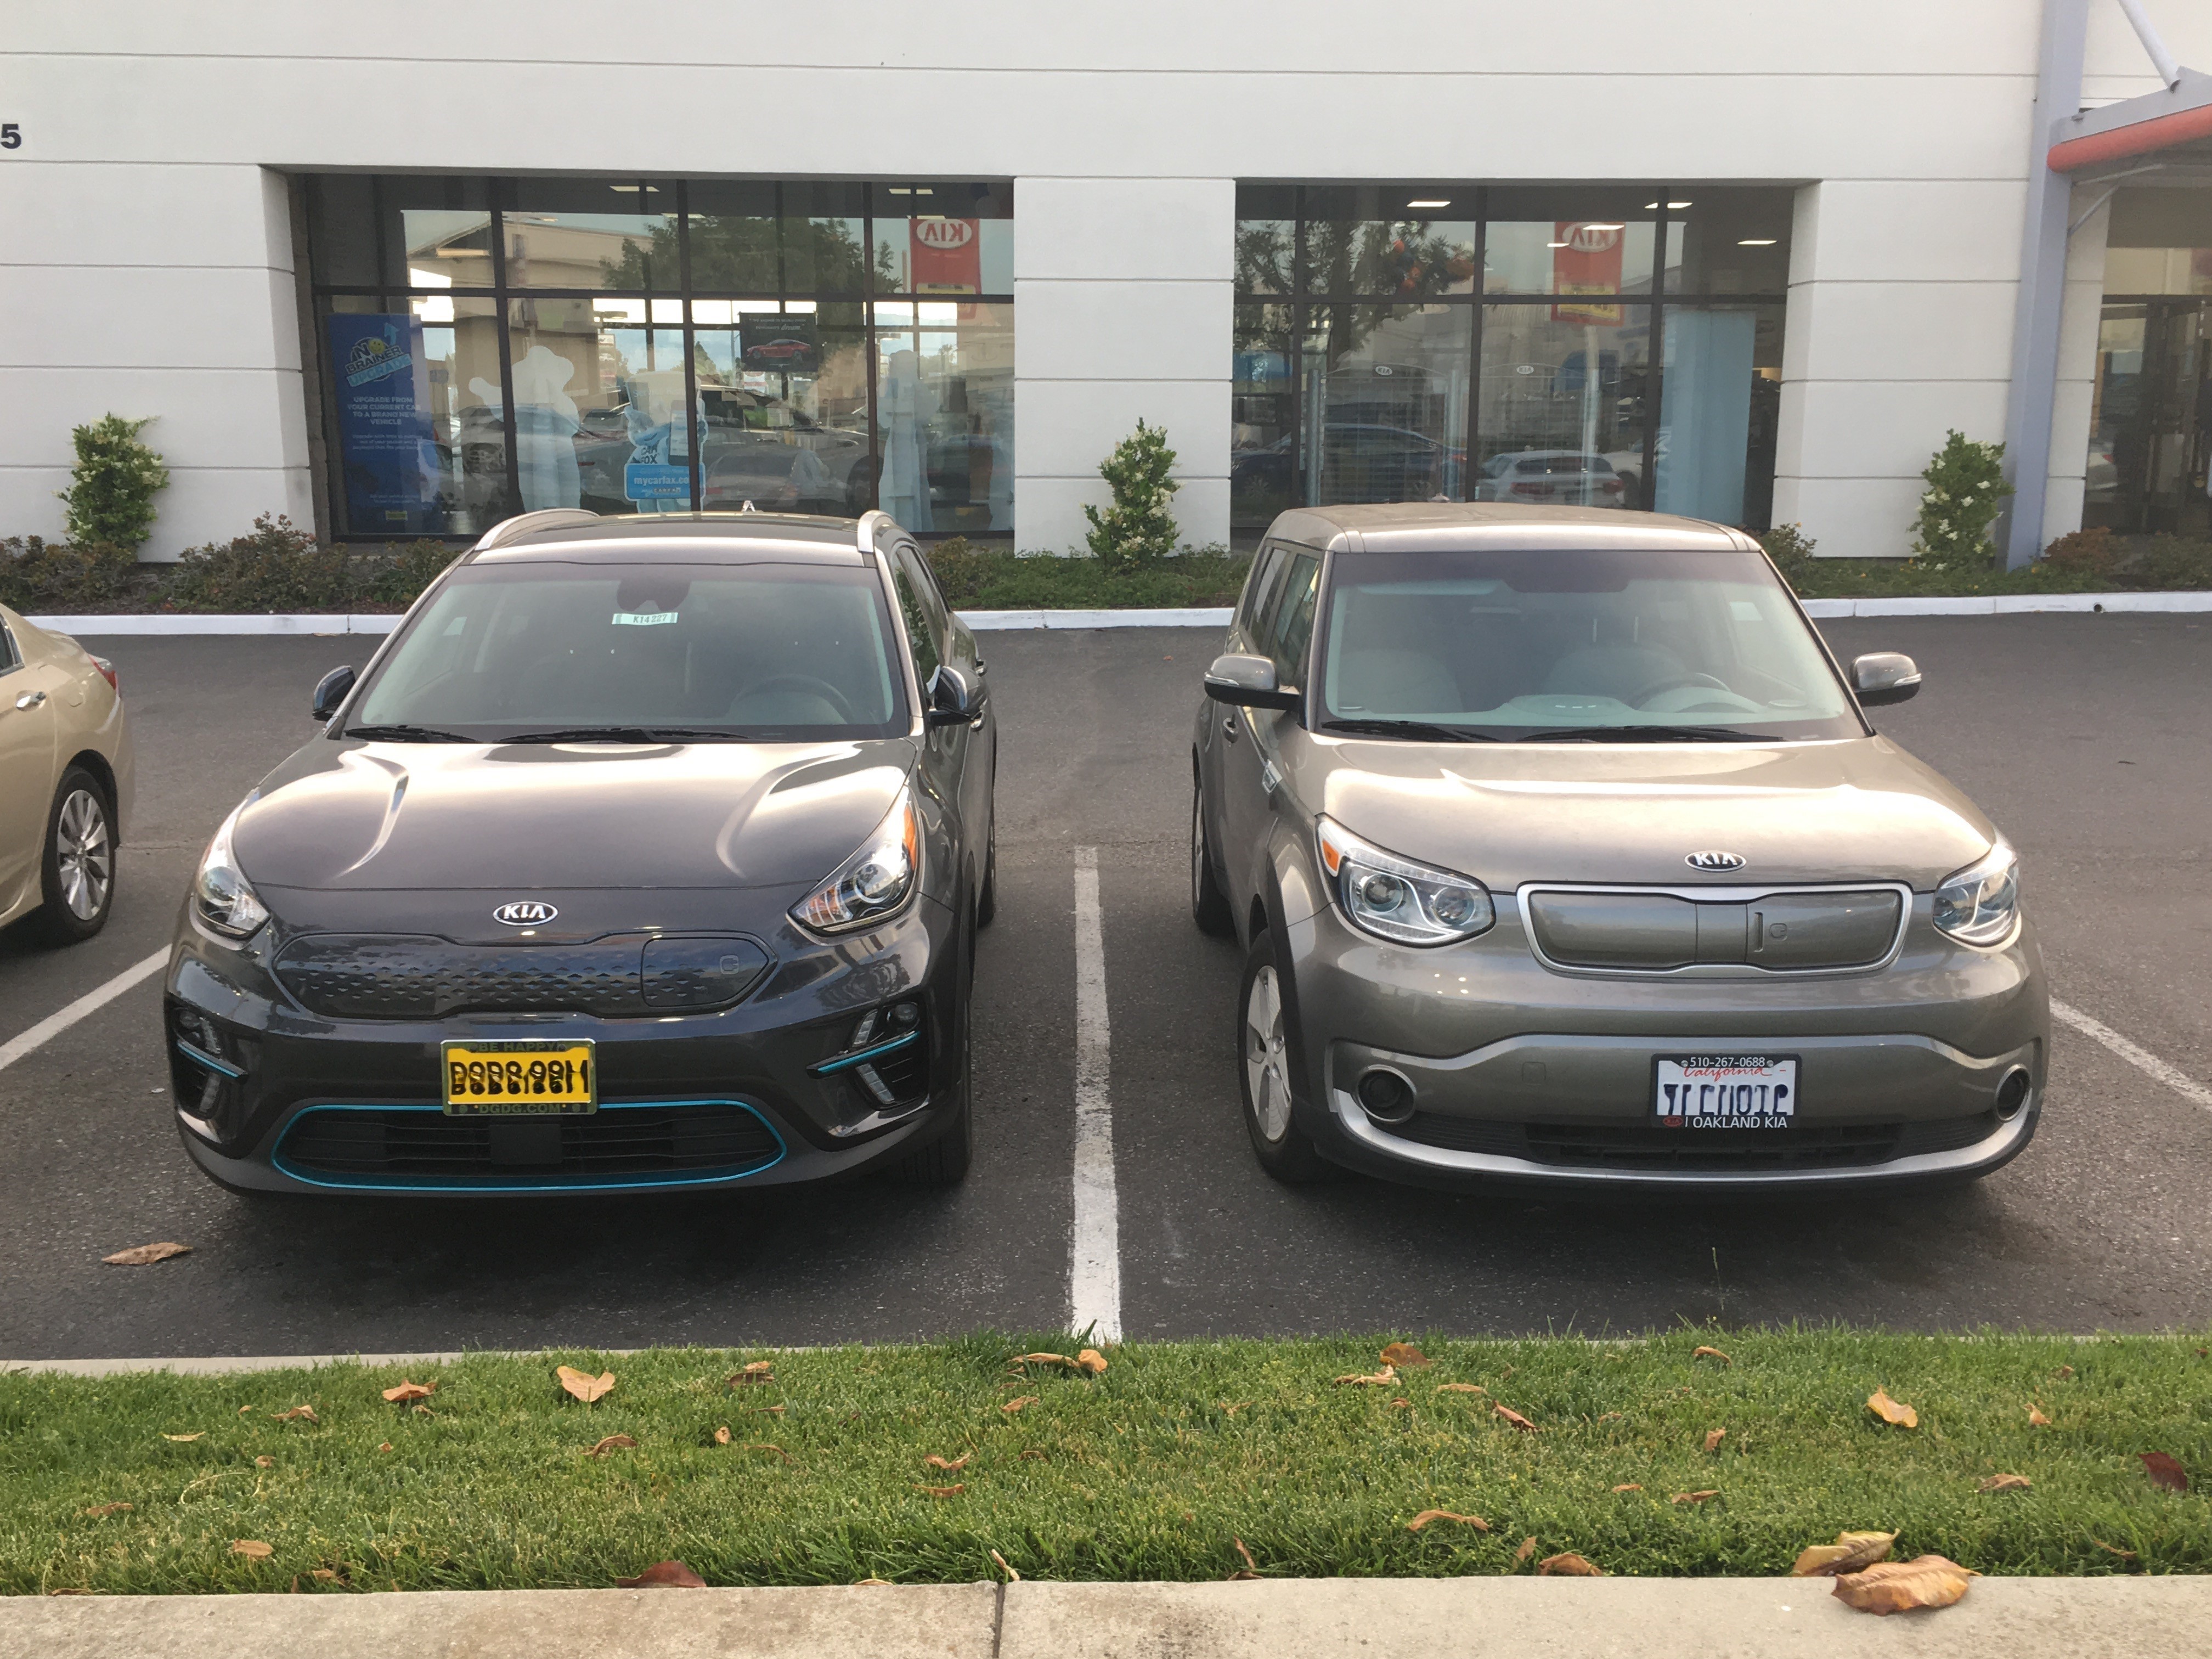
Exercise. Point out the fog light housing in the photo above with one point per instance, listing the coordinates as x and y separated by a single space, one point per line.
1385 1096
2012 1093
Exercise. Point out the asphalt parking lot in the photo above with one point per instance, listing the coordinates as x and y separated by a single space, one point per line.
2088 738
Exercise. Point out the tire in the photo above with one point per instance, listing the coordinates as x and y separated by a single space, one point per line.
1263 1074
944 1160
987 901
1209 905
77 870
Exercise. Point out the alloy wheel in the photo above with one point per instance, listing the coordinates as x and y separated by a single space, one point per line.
1266 1077
82 857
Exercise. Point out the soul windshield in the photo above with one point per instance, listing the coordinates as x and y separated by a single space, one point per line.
1512 645
767 652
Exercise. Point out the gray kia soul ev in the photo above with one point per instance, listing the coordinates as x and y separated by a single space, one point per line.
1563 852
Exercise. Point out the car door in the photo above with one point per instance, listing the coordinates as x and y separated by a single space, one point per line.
1227 769
28 716
1280 626
945 748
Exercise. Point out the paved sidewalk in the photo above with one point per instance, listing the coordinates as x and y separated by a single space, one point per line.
1289 1618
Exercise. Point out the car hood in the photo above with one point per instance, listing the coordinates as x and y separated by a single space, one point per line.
1855 809
519 817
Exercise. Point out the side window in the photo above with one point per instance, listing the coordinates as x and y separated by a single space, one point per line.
1289 630
1259 587
924 633
9 657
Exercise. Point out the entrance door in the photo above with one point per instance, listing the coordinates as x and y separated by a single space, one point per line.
2150 433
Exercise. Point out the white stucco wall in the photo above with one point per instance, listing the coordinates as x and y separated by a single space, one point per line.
148 264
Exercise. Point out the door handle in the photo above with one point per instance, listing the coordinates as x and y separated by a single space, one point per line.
30 699
1229 727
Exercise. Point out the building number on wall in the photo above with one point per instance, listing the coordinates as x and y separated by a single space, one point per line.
11 136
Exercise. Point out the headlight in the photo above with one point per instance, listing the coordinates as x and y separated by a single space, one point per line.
872 883
1395 898
1980 905
225 900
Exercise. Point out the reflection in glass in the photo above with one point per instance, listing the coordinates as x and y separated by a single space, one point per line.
947 239
1373 239
1261 432
1561 413
1729 241
1267 237
783 402
414 397
564 234
824 239
1385 398
1567 256
599 407
2150 424
1720 398
945 392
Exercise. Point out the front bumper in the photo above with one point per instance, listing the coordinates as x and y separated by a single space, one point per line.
270 1097
1521 1074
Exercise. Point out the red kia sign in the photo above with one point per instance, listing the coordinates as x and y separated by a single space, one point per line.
947 256
1586 260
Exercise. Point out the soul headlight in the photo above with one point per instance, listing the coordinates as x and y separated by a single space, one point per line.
1396 899
1980 905
872 883
221 895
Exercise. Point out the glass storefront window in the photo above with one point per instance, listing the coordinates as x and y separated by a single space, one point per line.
598 412
783 399
1267 238
1732 241
1409 240
422 446
1561 412
2150 423
436 233
1383 398
1262 431
620 235
945 392
1719 398
942 239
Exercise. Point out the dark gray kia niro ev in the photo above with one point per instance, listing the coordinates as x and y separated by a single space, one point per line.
647 854
1563 852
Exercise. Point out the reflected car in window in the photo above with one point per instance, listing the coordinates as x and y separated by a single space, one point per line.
1359 462
1562 852
1564 477
648 853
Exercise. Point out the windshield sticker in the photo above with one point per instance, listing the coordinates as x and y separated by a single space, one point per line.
644 618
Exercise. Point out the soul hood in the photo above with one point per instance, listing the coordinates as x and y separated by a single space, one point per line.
519 817
1858 810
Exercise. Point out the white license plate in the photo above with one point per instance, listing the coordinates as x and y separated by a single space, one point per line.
1724 1091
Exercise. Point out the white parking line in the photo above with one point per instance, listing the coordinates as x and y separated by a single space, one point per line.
1095 1272
55 1024
2141 1059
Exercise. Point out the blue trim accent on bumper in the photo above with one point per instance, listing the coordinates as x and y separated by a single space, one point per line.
526 1184
200 1056
876 1053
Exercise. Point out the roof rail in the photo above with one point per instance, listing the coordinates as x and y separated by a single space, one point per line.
508 531
865 528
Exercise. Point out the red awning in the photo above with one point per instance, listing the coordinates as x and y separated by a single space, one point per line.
2136 138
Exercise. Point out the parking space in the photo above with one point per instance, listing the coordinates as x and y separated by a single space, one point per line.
2088 738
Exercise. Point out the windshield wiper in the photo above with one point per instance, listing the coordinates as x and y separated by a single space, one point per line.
1649 734
406 734
1425 729
626 734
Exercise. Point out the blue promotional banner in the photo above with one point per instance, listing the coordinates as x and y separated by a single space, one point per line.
390 457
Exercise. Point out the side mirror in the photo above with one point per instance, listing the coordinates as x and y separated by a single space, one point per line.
330 691
954 698
1248 681
1882 677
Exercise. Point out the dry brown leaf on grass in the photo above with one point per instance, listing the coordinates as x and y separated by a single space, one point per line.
722 1435
253 1548
864 1583
1402 1353
1693 1497
1013 1406
1091 1361
759 1371
2063 1372
762 1445
585 1388
1569 1566
1612 1417
387 1446
1893 1411
2003 1483
242 1410
1401 1404
2164 1471
1250 1570
424 1411
1926 1581
1713 1438
612 1443
1849 1553
143 1255
1232 1410
1514 1417
664 1574
1711 1354
265 1462
936 1462
2036 1419
105 1509
305 1413
1004 1568
1628 1486
323 1573
1528 1548
1382 1378
1427 1515
194 1435
942 1492
407 1391
1459 1388
2124 1555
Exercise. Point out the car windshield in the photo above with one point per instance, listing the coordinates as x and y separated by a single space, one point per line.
1508 645
771 652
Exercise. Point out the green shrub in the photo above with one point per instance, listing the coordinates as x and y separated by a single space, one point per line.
111 493
398 578
1792 549
960 569
2081 553
37 575
276 567
2165 562
1965 492
1138 530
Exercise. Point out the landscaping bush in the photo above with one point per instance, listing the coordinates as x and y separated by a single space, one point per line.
1138 530
2081 553
1965 492
276 567
110 499
37 575
979 579
398 578
1792 549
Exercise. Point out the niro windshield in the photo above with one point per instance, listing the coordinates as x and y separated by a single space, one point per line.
773 652
1512 645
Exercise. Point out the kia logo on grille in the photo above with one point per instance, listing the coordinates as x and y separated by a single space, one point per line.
528 912
1715 860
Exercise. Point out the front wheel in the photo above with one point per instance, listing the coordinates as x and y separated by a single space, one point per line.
77 873
1263 1067
1209 905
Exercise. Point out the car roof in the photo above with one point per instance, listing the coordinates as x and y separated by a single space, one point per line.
686 539
1463 526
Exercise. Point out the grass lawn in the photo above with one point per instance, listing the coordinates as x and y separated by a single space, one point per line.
1150 1470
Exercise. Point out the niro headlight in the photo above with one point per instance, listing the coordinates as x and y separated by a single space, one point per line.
221 895
872 883
1396 899
1980 905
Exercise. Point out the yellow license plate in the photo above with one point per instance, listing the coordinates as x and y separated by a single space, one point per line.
509 1079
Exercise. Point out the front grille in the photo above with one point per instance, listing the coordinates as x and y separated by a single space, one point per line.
616 1145
420 976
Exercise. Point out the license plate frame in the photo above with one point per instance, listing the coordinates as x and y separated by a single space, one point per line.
1758 1082
578 1095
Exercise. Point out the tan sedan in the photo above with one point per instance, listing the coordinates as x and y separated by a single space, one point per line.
65 781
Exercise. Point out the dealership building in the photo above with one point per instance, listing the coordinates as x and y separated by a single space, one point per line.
400 271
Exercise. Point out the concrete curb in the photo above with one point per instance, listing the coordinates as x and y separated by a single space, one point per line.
2113 1618
318 625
